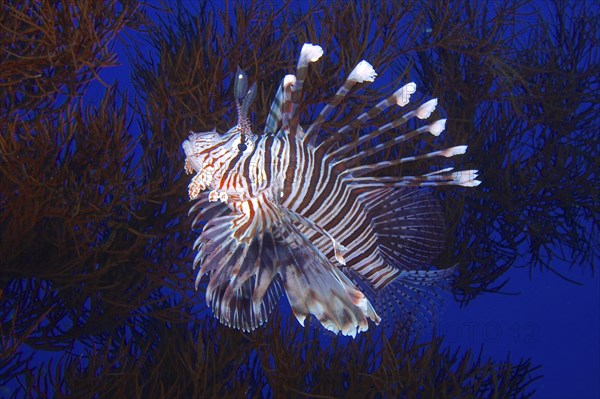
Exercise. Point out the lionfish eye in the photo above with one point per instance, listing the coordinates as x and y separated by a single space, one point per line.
242 147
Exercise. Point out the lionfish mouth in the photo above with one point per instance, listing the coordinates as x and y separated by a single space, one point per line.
191 167
192 163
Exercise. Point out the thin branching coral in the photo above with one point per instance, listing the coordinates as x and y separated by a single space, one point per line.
526 99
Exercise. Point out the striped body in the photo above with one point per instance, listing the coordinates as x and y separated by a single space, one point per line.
315 220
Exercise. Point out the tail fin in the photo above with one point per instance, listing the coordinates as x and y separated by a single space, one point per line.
414 297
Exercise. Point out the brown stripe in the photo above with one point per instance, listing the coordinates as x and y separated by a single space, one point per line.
312 185
291 168
246 167
366 253
244 227
267 159
388 276
391 278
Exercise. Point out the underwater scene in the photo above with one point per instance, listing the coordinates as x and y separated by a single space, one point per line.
299 199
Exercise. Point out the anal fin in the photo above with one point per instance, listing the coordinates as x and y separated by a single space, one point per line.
253 256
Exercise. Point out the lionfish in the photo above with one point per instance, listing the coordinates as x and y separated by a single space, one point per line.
284 213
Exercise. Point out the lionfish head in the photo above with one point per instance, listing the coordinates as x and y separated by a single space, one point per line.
209 154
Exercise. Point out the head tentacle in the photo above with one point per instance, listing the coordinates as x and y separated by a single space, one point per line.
244 98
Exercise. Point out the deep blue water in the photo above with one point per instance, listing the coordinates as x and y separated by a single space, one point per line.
551 321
